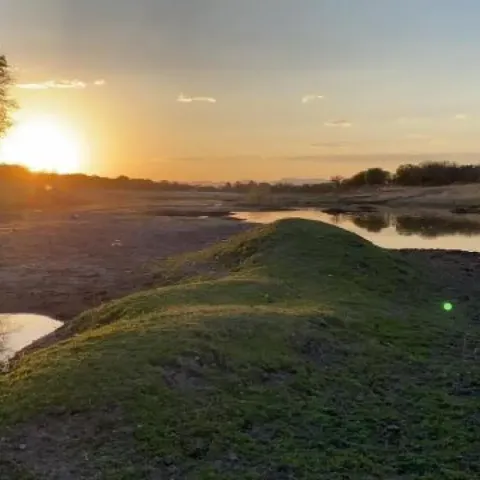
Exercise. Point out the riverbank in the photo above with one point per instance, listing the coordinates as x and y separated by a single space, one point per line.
62 263
461 199
445 198
306 352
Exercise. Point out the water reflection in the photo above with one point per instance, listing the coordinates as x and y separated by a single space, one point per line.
393 229
371 222
19 331
431 226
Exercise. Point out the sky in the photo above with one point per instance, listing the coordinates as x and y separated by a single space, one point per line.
229 89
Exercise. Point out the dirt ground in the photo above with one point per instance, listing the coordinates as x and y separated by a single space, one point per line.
62 263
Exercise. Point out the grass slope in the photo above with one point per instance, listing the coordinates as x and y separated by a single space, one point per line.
318 355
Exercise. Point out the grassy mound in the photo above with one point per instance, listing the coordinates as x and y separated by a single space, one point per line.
318 355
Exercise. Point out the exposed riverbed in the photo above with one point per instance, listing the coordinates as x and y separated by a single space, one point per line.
62 264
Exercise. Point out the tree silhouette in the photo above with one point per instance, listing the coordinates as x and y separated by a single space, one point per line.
7 104
377 176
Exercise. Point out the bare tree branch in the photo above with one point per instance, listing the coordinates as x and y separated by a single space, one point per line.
7 103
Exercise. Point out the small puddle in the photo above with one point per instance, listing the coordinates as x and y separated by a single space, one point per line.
17 331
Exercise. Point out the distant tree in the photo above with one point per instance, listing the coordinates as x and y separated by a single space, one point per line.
7 104
376 176
372 176
407 174
436 173
357 180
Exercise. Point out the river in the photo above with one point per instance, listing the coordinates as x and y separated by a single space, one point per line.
393 229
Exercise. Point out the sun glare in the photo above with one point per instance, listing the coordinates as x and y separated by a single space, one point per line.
43 143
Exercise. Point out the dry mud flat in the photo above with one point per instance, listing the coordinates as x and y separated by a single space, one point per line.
60 264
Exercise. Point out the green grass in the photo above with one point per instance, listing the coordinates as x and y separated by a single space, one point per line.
317 356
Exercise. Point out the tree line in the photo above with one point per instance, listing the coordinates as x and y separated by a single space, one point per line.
17 174
423 174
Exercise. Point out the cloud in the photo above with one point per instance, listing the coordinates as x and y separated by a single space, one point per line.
50 84
311 98
460 116
60 84
338 124
32 86
184 99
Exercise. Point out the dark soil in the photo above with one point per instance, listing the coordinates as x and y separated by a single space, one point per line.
60 264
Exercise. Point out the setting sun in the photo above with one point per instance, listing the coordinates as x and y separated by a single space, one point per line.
43 143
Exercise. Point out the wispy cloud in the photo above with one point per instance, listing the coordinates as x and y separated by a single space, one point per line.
311 98
32 86
461 116
338 124
50 84
184 99
60 84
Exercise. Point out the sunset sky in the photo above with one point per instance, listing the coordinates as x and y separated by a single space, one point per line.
240 89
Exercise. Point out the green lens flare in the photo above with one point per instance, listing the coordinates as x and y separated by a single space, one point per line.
447 306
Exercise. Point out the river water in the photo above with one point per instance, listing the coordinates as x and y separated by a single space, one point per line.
19 330
393 230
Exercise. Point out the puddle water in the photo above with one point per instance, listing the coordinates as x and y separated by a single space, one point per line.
392 230
20 330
